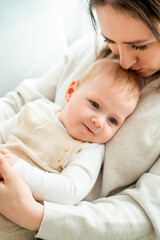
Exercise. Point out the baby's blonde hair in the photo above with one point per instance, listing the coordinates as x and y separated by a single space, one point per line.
125 79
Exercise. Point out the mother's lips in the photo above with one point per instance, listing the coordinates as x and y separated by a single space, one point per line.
137 70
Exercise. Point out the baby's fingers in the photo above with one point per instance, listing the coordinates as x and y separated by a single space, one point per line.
2 156
6 171
4 151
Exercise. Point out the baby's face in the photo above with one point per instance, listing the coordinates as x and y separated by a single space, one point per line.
96 110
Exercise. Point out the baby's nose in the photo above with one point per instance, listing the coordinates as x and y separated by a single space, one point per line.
97 121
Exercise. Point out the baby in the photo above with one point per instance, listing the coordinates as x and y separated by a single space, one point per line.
59 152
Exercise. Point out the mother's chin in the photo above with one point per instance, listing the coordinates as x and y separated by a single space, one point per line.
145 72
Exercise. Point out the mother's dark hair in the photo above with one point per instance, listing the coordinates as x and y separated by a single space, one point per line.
146 10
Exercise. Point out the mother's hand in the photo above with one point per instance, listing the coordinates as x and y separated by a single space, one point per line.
16 200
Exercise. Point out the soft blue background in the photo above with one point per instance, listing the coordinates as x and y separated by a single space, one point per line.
34 35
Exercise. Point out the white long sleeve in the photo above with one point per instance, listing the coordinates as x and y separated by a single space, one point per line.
72 184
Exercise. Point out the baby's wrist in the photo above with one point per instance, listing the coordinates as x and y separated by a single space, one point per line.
11 161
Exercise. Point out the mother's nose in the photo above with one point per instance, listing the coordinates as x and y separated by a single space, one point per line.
127 58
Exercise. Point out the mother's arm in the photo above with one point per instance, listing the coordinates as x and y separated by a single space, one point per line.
124 216
17 202
133 214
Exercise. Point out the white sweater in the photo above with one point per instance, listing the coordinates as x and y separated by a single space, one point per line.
132 159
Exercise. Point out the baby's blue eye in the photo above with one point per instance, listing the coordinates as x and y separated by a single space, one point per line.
95 105
113 120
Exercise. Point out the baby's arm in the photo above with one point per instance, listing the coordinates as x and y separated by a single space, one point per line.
71 185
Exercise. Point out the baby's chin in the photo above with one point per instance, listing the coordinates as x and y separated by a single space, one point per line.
89 138
97 141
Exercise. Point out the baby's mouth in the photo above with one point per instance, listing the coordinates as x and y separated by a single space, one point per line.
89 130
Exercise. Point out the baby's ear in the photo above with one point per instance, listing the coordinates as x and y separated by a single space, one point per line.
71 89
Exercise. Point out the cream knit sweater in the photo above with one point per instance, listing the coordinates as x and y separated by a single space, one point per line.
132 159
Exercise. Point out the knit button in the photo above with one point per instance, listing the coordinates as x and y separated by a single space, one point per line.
67 148
78 141
58 160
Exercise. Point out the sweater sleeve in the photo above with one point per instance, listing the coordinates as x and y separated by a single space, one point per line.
132 214
72 184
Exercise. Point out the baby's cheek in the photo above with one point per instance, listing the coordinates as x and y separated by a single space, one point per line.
110 134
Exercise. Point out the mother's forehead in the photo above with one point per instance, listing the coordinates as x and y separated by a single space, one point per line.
113 21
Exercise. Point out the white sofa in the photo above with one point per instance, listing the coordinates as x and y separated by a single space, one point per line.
35 35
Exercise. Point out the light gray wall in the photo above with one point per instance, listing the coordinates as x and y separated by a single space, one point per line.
34 35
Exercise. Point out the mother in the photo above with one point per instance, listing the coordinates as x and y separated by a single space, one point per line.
127 193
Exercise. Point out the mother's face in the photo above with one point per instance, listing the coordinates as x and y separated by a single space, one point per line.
131 39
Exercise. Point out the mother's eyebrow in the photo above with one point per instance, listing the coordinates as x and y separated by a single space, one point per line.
132 42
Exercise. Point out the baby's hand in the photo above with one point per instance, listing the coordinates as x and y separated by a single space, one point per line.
8 156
